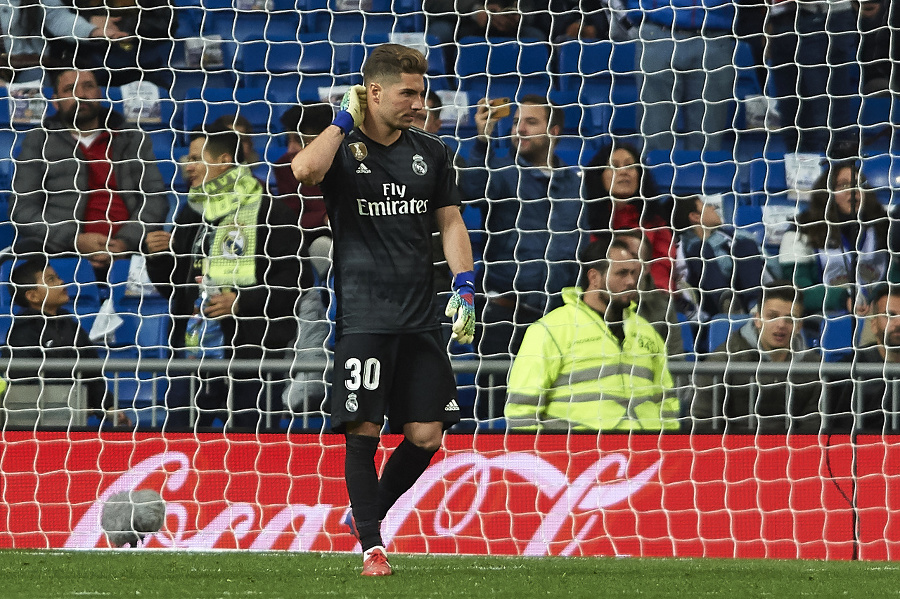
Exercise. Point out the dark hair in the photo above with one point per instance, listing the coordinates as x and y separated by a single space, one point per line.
220 139
555 115
654 213
883 290
596 257
56 75
24 278
434 99
233 121
684 208
821 220
307 118
392 60
781 290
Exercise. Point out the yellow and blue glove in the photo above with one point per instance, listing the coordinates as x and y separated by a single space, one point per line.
461 307
353 109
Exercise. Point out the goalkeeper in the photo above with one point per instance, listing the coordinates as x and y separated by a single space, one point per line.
384 184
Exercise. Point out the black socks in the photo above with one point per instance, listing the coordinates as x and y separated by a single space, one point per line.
403 469
362 486
370 498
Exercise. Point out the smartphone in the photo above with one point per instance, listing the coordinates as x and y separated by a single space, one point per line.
501 107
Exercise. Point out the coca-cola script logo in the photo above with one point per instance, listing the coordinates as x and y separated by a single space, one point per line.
454 499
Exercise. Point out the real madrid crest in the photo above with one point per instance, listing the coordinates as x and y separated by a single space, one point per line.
351 404
418 165
360 151
234 243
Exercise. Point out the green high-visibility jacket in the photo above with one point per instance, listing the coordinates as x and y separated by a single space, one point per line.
571 373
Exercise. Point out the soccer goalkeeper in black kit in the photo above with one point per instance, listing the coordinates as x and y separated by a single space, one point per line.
384 185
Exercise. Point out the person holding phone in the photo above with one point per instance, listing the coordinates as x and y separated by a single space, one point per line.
535 222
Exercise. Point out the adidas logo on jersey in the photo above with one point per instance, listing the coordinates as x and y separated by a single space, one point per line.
363 169
452 406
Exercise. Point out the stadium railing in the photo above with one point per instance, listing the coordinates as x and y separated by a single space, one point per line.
685 374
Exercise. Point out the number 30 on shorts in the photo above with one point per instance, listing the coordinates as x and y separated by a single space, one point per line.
367 375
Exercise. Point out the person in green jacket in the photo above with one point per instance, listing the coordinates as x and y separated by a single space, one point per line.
594 364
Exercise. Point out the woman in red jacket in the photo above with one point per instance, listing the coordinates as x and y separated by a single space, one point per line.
622 196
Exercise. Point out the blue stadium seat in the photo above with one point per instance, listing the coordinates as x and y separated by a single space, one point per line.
502 67
578 61
836 340
578 118
716 331
883 174
684 172
204 106
283 67
575 150
243 26
767 175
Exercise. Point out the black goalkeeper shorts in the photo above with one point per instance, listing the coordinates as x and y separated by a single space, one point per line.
405 377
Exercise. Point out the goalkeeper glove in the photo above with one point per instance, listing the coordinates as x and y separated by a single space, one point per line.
353 109
461 307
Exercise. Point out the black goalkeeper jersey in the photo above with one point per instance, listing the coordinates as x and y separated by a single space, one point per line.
381 202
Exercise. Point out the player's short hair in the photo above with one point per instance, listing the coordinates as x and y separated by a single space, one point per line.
389 61
555 114
781 290
596 257
884 290
684 207
220 139
24 278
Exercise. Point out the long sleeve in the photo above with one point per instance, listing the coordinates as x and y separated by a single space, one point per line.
62 21
29 196
536 366
153 203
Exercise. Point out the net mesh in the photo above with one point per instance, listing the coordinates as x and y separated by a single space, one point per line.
739 156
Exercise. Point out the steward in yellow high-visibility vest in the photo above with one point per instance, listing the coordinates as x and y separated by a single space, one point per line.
594 364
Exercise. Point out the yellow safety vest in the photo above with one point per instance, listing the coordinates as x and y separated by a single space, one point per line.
571 373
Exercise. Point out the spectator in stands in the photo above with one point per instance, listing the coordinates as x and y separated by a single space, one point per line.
83 182
594 364
145 55
863 405
576 19
684 59
845 225
252 158
623 196
772 336
43 329
29 27
722 264
234 238
812 48
302 124
451 20
873 399
429 120
875 46
534 219
654 305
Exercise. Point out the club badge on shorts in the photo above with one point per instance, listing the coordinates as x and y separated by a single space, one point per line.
351 404
418 165
234 243
360 151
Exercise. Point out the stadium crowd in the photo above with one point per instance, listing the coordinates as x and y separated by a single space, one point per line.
624 190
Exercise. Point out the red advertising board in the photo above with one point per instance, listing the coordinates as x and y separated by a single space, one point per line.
672 495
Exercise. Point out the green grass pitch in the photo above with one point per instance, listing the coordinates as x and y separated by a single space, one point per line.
174 575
